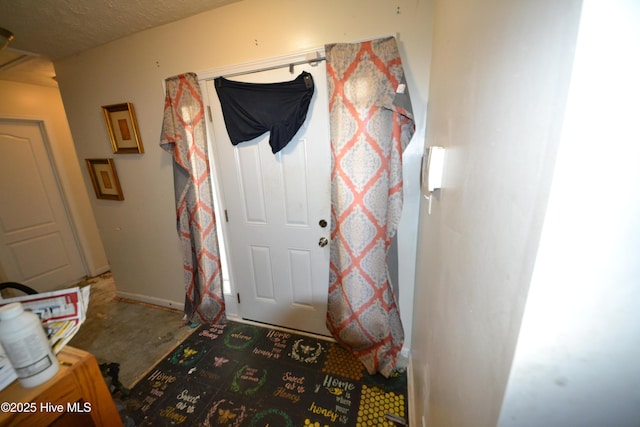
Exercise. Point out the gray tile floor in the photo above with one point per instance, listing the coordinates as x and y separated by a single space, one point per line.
134 335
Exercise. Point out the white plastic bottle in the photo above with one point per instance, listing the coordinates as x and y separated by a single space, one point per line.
27 347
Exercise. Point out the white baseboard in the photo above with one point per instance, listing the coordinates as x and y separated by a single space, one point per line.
413 417
99 270
151 300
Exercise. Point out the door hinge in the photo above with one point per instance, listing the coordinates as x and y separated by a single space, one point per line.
238 295
226 215
209 111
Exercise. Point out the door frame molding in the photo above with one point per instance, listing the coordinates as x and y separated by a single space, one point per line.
263 64
44 126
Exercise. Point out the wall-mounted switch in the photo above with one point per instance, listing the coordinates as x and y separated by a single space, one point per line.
431 173
432 169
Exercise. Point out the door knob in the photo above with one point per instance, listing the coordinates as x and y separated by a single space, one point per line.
323 242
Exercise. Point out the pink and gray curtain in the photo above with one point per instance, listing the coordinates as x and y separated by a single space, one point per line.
184 136
371 124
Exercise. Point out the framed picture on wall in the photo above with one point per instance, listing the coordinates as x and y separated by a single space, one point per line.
123 128
105 179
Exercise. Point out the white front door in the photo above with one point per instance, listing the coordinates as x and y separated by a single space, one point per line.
278 209
37 245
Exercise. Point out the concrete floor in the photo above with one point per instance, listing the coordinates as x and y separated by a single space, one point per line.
135 335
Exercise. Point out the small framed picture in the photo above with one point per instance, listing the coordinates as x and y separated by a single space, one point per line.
105 179
123 128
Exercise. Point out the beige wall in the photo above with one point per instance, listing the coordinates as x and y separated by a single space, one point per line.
499 82
18 100
139 233
576 362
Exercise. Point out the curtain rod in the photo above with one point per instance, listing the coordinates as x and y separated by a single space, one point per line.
317 54
275 67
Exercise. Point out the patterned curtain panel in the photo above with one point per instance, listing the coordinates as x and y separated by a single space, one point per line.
371 123
184 136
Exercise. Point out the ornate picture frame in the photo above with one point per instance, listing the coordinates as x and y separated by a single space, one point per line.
123 128
105 179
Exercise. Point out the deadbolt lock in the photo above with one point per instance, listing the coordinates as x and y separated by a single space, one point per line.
323 223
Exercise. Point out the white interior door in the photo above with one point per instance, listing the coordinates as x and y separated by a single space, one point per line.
278 209
37 245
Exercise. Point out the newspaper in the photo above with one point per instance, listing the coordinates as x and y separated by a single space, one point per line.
61 312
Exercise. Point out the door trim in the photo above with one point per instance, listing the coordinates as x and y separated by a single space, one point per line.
254 66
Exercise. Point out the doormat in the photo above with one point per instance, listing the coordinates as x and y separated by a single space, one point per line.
238 374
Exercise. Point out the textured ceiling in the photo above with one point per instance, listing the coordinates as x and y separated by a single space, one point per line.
47 30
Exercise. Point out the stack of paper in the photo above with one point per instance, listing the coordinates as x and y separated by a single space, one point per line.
61 312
